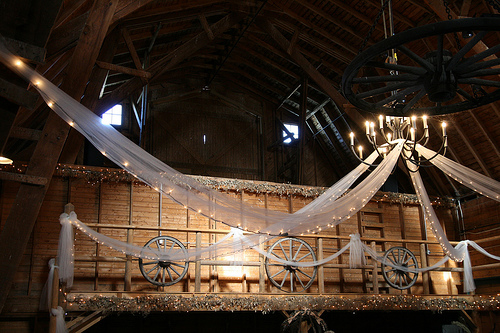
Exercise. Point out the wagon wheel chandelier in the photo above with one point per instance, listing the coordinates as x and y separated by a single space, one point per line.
421 71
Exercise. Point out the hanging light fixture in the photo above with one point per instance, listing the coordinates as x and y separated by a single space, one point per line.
391 130
430 75
5 160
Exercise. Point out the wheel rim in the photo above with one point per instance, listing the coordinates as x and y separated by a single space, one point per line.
434 81
160 272
396 278
291 278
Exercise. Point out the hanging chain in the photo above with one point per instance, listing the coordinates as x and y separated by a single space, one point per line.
448 11
495 4
372 28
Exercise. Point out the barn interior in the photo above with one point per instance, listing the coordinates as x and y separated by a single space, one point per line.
255 101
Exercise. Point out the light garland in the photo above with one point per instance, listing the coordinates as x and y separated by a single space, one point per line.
212 302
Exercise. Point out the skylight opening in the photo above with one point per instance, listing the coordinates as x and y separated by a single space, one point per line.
294 129
113 116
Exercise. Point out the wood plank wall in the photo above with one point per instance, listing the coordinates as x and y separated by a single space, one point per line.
104 201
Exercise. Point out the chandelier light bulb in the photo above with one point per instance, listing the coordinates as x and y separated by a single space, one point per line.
352 138
424 120
381 121
443 124
360 148
367 124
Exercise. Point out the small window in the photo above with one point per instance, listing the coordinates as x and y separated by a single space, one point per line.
293 129
113 116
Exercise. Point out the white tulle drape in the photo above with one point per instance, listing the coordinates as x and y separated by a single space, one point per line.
474 180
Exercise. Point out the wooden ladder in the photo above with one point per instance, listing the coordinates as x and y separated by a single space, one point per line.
371 224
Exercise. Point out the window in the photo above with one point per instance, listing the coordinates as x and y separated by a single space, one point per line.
113 116
293 129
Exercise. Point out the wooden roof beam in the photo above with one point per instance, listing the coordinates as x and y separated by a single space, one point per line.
310 70
22 216
18 95
320 44
167 62
26 51
26 179
471 148
486 134
319 11
131 49
124 70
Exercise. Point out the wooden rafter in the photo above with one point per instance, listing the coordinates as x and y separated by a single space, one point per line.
167 62
471 148
92 93
493 143
23 214
338 22
310 70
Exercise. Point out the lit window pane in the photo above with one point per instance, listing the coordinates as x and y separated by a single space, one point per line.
294 129
113 116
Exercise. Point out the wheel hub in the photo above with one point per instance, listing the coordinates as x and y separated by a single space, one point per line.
440 85
164 264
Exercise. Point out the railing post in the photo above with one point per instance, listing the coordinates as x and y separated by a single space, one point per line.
375 270
425 275
321 269
130 239
262 277
197 265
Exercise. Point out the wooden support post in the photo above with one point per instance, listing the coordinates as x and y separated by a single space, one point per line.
244 283
341 270
375 270
321 269
22 216
262 269
424 263
197 265
188 275
130 240
97 246
402 223
55 301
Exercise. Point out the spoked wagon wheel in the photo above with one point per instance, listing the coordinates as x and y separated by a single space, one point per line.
290 278
397 278
428 73
163 273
